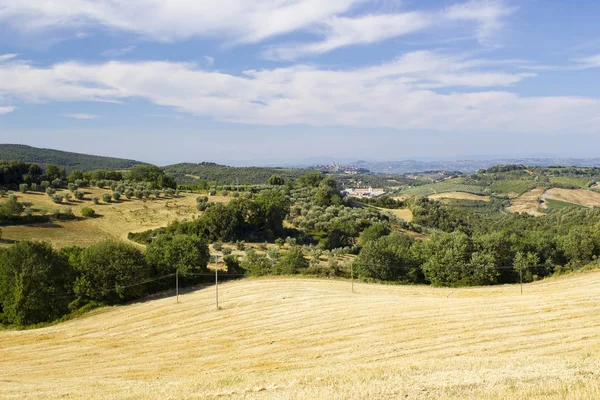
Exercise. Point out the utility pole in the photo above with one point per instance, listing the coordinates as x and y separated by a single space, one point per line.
177 284
521 275
217 280
352 275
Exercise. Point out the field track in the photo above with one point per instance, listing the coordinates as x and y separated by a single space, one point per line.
293 338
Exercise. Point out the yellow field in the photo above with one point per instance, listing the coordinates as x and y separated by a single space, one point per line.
582 197
528 202
402 213
115 219
314 339
459 196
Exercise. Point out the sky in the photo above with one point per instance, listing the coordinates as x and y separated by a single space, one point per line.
280 81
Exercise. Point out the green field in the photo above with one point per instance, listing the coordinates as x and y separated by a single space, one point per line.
442 187
571 181
559 205
519 186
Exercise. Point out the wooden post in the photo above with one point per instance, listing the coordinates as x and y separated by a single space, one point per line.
217 280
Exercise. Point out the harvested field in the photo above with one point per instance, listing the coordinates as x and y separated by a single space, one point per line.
115 219
403 213
314 339
459 196
528 202
582 197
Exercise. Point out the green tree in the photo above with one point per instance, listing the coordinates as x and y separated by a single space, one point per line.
256 264
111 272
291 262
183 253
388 258
35 283
276 180
88 212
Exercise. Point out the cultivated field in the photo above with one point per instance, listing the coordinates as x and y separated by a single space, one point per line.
452 185
314 339
528 202
115 220
459 196
582 197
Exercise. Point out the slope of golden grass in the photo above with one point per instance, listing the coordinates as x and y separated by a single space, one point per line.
528 202
582 197
402 213
314 339
115 220
459 196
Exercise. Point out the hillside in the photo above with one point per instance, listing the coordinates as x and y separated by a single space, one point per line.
314 339
189 174
68 160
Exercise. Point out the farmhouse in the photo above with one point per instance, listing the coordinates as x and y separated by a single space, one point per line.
365 192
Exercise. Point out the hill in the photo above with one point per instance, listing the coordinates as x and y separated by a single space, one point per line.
68 160
190 173
315 339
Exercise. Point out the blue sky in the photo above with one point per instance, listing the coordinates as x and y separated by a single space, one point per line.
276 81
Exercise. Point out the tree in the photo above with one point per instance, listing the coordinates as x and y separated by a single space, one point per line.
106 197
54 172
111 272
88 212
35 283
116 196
388 258
10 208
374 232
276 180
183 253
23 187
291 262
256 264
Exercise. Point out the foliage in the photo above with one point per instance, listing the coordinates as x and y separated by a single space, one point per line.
88 212
183 253
290 262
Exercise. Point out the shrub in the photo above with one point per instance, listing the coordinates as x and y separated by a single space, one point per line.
212 192
106 197
50 191
183 253
291 262
45 184
279 242
57 198
218 246
225 193
79 195
95 200
233 265
34 186
57 183
23 187
227 251
235 195
263 247
88 212
67 197
256 264
116 196
72 187
240 245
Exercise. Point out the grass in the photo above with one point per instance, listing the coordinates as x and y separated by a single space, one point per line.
572 181
314 339
518 186
115 219
559 205
442 187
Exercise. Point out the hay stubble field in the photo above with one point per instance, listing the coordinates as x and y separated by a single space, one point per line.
291 338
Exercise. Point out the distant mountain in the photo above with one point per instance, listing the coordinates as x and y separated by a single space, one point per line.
68 160
468 166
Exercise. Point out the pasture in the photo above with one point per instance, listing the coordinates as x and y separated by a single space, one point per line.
114 220
291 338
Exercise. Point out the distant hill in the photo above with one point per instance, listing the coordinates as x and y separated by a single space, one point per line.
68 160
190 173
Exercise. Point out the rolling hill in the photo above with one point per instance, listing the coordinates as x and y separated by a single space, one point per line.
314 339
68 160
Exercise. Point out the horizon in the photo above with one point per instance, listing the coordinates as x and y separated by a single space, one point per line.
264 82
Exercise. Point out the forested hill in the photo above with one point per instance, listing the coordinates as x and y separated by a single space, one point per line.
64 159
190 173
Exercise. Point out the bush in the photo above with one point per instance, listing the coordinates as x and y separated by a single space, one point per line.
183 253
218 246
79 195
291 262
88 212
240 245
227 251
23 187
235 195
212 192
233 265
279 242
50 191
57 198
67 197
95 200
116 196
256 264
225 193
106 197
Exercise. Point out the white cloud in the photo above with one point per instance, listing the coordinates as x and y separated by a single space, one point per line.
246 21
209 60
6 110
118 52
588 62
403 94
488 14
341 32
7 57
81 116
